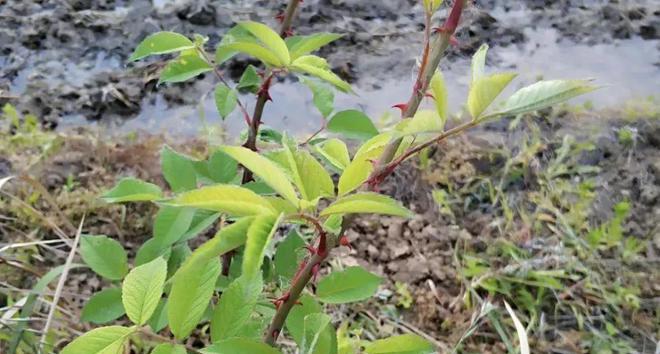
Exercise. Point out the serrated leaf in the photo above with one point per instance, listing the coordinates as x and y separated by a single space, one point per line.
150 250
424 121
366 202
288 255
484 91
319 336
192 289
226 239
171 223
259 234
270 173
240 346
104 340
249 80
235 307
357 172
230 199
479 63
403 344
225 100
352 124
105 256
159 319
439 91
253 50
168 348
350 285
295 322
201 221
318 67
103 307
544 94
270 39
178 170
132 190
309 176
161 43
186 66
142 289
302 45
323 97
335 152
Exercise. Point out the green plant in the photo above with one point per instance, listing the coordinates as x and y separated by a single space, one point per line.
285 185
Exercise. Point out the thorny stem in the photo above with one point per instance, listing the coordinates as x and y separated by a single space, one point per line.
434 55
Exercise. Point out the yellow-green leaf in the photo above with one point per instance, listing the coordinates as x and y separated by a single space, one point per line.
233 200
142 289
104 340
479 63
254 50
310 177
318 335
357 172
366 202
544 94
302 45
161 43
439 91
265 169
132 190
431 6
316 66
350 285
424 121
186 66
235 307
270 39
335 152
403 344
484 91
259 234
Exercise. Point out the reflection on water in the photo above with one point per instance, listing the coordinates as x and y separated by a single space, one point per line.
627 68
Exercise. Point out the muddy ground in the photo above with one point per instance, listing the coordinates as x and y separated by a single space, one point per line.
64 61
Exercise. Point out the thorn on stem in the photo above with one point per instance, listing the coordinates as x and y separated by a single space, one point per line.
344 241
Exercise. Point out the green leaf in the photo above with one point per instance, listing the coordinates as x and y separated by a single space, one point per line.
132 190
171 224
318 67
201 221
367 202
309 176
159 319
319 336
270 173
178 256
403 344
270 39
259 234
151 250
288 255
219 168
229 237
335 152
350 285
431 6
161 43
235 307
479 63
105 256
352 124
168 348
186 66
230 199
439 90
544 94
142 289
302 45
424 121
240 346
225 100
104 340
235 34
253 50
323 97
103 307
295 322
192 289
250 80
357 172
178 170
484 91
